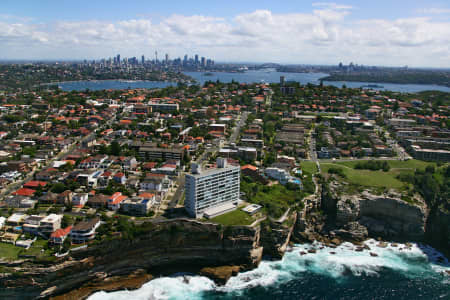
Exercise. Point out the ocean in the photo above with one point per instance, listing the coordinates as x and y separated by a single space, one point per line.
267 76
394 272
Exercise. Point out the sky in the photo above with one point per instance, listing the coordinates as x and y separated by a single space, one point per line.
388 33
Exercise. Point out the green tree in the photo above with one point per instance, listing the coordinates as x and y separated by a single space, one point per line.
58 188
115 148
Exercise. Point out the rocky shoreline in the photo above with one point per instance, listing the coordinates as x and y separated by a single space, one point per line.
108 284
217 252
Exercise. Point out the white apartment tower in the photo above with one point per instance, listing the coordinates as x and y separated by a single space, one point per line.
214 191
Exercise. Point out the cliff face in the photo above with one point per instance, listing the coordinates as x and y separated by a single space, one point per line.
438 230
178 245
275 237
385 215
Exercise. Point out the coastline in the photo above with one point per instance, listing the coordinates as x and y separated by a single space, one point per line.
195 248
310 244
368 258
330 78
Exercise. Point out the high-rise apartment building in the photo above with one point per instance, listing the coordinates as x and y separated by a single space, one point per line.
212 192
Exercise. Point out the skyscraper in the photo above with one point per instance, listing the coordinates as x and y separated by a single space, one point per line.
203 62
196 59
118 59
142 59
167 58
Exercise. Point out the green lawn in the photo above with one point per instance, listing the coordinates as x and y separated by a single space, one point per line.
396 164
367 177
36 248
309 166
235 217
9 251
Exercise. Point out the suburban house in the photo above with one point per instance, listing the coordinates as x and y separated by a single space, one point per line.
84 231
60 235
114 202
139 205
79 199
50 223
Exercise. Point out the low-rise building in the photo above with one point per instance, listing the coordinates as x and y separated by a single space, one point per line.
84 231
50 223
32 224
79 199
58 237
138 205
115 201
430 154
16 219
401 122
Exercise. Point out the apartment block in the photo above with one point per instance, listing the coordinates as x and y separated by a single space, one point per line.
212 192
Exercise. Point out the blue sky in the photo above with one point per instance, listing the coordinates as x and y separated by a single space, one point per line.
378 32
113 10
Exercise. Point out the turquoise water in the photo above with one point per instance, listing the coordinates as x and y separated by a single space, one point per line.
398 272
267 76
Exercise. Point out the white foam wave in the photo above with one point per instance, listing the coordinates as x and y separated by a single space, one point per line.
412 260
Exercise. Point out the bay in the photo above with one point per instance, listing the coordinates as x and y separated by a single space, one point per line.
259 76
272 76
96 85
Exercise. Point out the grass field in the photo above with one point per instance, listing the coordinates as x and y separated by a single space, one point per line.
36 248
367 177
235 217
396 164
309 166
9 251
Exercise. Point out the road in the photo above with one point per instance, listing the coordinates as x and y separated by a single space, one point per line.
178 193
234 136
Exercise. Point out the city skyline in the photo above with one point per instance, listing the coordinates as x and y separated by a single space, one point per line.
295 33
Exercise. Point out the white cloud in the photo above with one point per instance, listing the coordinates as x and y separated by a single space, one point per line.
324 35
332 5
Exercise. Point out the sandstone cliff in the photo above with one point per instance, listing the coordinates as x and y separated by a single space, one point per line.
275 237
170 246
438 229
385 215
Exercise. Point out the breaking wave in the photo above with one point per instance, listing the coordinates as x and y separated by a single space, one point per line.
346 260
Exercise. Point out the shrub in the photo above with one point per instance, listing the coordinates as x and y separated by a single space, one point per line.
337 171
373 165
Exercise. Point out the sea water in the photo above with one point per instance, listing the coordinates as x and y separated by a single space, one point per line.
397 271
254 76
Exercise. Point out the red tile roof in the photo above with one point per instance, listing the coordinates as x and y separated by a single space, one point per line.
146 195
250 167
24 192
34 184
119 199
59 233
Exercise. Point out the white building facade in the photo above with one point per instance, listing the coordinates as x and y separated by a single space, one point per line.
212 188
